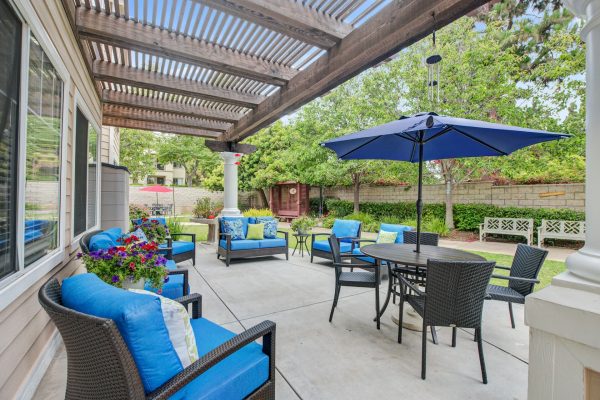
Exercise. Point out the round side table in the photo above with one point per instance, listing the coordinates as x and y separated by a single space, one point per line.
302 242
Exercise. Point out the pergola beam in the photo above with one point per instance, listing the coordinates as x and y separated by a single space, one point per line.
152 104
395 27
128 34
116 73
158 127
109 110
287 17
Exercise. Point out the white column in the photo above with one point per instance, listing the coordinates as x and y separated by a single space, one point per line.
586 262
230 183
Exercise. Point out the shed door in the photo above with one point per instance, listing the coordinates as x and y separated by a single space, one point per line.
289 199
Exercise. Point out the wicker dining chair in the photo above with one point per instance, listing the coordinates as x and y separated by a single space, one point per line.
453 297
366 276
524 271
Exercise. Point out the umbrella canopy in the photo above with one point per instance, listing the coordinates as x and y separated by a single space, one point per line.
428 136
156 189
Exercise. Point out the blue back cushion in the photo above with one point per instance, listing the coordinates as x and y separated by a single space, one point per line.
114 233
396 228
345 228
139 319
101 241
160 220
245 221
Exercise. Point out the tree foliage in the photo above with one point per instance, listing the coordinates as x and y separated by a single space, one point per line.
191 152
136 152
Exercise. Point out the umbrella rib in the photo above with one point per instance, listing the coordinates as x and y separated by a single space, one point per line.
480 141
359 147
412 152
440 133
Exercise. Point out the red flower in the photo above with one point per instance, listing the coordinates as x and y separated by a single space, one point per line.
144 219
237 163
121 248
238 155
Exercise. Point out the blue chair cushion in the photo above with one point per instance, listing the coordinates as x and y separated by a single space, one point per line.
267 243
160 220
270 226
114 233
139 320
323 245
345 228
180 246
245 221
243 244
396 228
364 258
101 241
172 289
235 377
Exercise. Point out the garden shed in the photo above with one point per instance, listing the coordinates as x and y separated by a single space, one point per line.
289 199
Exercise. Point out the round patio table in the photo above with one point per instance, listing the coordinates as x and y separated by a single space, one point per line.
405 254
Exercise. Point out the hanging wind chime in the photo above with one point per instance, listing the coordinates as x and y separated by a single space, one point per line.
434 67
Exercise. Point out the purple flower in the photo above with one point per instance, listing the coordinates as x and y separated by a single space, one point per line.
79 255
115 279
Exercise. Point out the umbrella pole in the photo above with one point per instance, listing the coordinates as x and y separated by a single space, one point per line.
420 194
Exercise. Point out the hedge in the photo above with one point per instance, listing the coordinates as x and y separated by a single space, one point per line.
467 217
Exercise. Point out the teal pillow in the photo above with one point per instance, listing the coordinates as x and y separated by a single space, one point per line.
235 228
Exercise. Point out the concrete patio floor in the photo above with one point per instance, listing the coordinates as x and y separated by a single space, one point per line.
349 358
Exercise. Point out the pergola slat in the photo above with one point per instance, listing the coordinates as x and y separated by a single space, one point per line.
396 26
171 84
287 17
153 104
110 110
158 127
133 35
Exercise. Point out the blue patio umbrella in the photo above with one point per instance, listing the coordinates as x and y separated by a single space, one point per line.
428 136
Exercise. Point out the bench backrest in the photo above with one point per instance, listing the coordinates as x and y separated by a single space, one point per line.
516 225
563 228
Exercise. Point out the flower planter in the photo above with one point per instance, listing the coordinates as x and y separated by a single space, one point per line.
130 284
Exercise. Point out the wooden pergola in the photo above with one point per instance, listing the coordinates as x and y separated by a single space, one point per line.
224 69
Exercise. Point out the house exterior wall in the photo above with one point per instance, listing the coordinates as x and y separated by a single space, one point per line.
110 144
27 336
169 173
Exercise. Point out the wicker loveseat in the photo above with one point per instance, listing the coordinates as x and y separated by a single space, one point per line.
118 347
230 248
177 285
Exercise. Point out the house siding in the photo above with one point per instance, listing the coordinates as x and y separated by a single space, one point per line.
26 329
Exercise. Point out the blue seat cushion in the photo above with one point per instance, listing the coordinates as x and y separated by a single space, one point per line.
323 245
243 244
235 377
345 228
172 289
180 246
170 265
396 228
268 243
139 320
101 241
364 258
114 233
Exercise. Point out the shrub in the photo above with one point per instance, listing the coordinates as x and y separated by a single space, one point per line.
328 221
137 212
436 225
175 226
258 212
206 208
398 211
368 222
303 224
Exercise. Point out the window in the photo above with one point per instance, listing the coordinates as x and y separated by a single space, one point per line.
160 167
85 191
43 155
151 180
10 55
160 180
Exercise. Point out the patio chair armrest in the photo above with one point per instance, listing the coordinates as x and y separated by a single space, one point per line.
348 265
502 267
516 279
265 329
191 235
314 235
183 272
167 251
227 237
195 299
347 237
405 282
363 240
285 235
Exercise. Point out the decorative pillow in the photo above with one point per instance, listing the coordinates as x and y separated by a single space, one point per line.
180 329
114 233
101 241
387 237
234 227
256 231
139 233
270 226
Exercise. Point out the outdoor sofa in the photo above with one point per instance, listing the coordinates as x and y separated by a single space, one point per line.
178 284
118 347
235 247
179 250
346 231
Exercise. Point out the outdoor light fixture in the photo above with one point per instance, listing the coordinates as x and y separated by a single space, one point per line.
433 71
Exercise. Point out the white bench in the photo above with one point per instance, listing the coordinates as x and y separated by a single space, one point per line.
507 226
557 229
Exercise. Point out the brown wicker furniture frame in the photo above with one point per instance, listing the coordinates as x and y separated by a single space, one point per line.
101 367
228 254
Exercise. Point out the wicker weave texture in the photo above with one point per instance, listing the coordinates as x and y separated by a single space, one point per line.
527 263
427 238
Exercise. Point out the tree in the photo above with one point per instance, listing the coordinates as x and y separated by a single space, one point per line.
136 152
191 152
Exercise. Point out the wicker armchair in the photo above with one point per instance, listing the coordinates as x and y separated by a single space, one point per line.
524 271
369 278
100 365
454 296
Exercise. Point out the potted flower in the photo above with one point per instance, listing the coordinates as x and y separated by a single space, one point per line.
153 229
303 224
128 266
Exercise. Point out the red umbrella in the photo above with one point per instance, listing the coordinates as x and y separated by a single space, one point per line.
156 189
